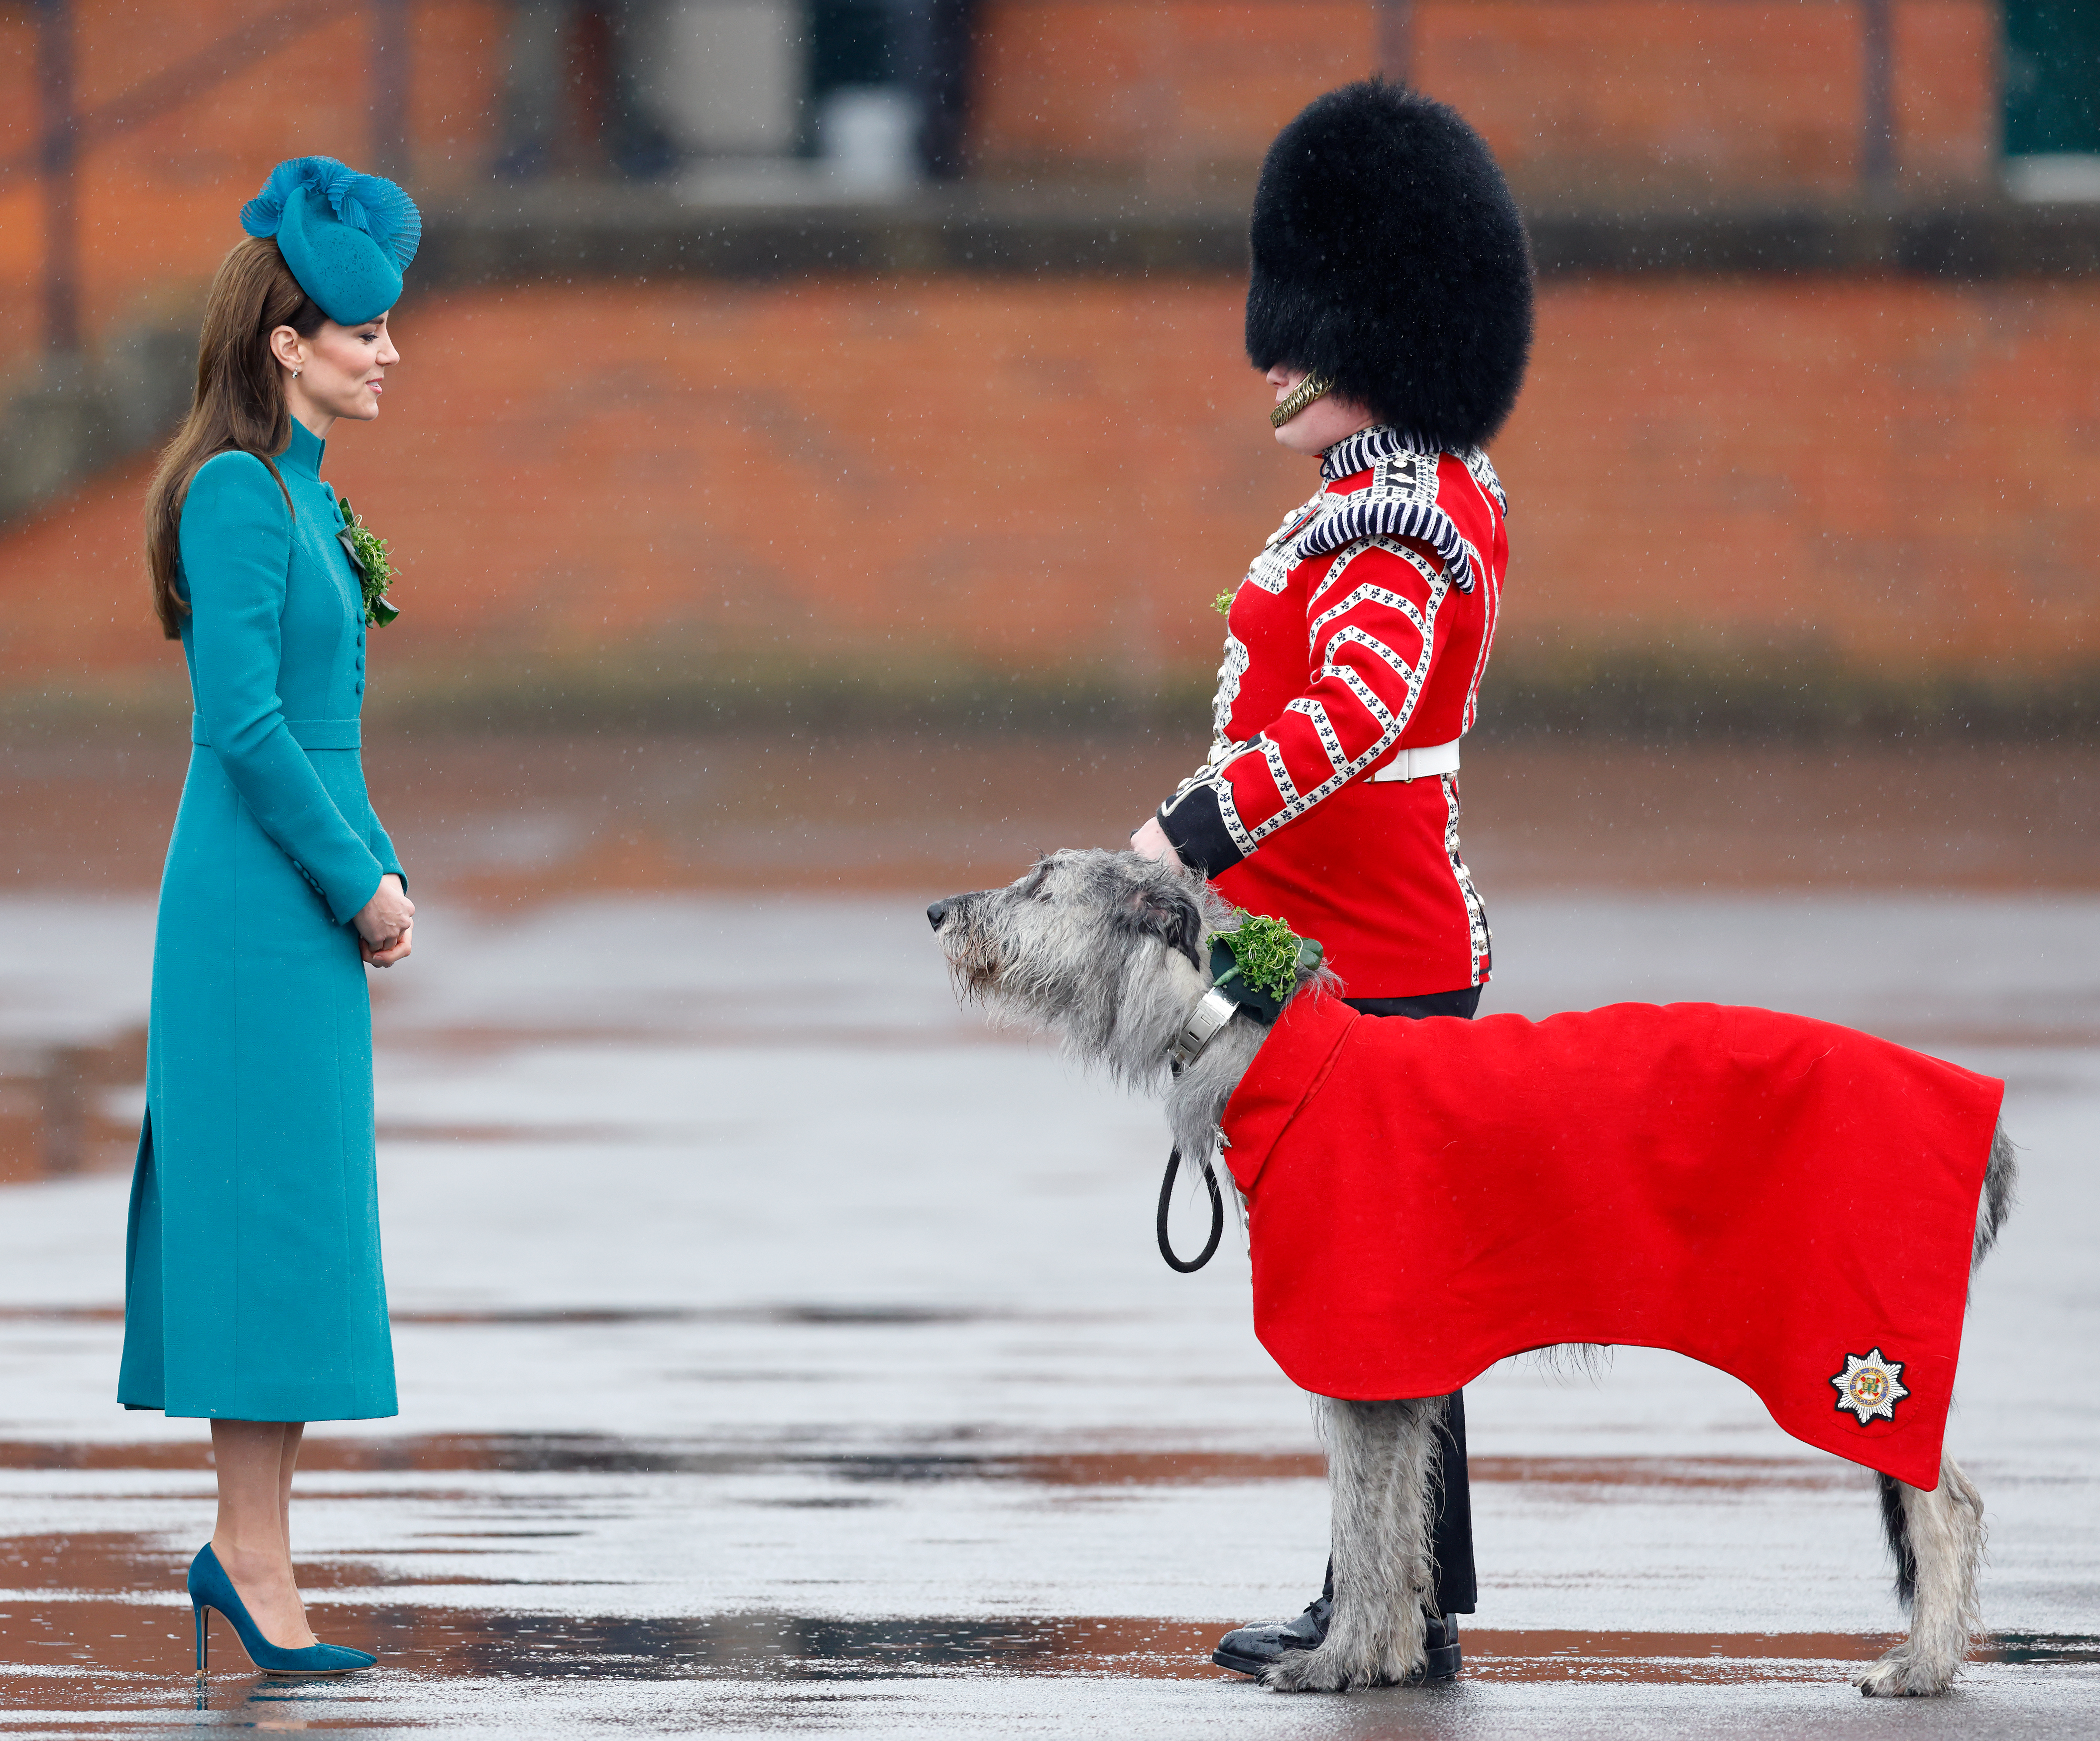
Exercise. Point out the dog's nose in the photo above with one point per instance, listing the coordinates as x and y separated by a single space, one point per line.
938 912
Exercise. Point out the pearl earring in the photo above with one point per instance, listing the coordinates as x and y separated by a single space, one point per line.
296 373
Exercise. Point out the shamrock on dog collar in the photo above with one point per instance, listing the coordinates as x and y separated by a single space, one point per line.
1254 968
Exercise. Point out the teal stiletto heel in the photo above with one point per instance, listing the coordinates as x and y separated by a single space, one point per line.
211 1588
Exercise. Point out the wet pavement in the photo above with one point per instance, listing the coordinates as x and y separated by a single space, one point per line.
783 1352
498 818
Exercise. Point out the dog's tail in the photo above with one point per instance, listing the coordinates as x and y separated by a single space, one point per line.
1897 1528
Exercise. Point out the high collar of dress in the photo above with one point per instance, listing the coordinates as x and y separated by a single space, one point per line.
1364 450
306 451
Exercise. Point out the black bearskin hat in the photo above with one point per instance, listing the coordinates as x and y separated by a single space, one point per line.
1388 257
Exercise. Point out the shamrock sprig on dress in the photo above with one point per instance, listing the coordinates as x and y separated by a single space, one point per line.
368 556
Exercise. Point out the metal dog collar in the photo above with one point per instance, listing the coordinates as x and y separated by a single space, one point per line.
1211 1013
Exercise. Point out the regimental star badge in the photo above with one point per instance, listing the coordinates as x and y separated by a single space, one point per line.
1870 1386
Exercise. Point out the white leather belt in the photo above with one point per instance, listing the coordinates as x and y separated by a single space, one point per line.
1413 764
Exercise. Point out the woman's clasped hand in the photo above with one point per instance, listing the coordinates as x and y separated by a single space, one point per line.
385 924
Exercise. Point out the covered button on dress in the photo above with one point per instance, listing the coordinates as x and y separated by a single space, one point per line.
253 1289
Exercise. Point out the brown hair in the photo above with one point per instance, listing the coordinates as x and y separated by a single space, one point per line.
240 402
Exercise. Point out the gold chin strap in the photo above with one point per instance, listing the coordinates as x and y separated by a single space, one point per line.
1298 398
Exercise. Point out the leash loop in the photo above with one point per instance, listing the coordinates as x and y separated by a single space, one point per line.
1217 1216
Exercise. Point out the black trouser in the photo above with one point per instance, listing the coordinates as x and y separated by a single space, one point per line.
1451 1534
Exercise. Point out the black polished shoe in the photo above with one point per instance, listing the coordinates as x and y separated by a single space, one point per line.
1252 1650
1249 1650
1441 1642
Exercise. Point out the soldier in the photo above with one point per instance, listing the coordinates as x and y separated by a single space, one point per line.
1391 306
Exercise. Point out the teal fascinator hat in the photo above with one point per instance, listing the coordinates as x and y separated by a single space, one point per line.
346 237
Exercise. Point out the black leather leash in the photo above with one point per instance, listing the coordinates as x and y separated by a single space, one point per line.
1217 1216
1218 1007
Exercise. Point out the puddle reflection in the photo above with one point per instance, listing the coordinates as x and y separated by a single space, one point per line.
93 1621
122 1652
581 1453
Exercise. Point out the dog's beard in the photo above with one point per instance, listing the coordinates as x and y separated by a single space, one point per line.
980 976
1021 992
974 975
974 964
1008 998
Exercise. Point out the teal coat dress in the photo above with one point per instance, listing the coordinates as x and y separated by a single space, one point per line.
254 1290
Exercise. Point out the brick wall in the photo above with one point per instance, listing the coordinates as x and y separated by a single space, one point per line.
900 480
1596 99
1641 99
1898 473
159 201
1181 91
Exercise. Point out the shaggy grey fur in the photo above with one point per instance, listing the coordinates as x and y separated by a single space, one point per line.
1106 949
1937 1538
1382 1475
1999 1176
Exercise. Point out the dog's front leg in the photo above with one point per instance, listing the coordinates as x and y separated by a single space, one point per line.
1382 1471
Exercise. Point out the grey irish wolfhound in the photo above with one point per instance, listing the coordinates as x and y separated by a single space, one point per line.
1106 949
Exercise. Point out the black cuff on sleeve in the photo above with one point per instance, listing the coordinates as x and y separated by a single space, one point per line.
1192 820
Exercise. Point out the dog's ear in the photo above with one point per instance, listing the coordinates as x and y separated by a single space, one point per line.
1173 916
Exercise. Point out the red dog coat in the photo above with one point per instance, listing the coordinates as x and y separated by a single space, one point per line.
1792 1202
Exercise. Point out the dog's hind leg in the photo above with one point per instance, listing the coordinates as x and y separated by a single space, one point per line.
1382 1468
1938 1541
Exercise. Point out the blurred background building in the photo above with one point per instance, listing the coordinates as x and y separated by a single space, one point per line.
883 355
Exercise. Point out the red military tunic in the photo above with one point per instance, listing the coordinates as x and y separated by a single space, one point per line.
1361 631
1791 1202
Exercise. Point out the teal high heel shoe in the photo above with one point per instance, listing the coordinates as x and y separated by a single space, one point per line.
210 1588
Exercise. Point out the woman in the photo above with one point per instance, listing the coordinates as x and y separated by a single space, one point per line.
1391 306
254 1296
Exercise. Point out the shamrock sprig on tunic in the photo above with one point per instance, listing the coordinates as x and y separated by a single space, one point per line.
1223 603
1267 954
368 556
